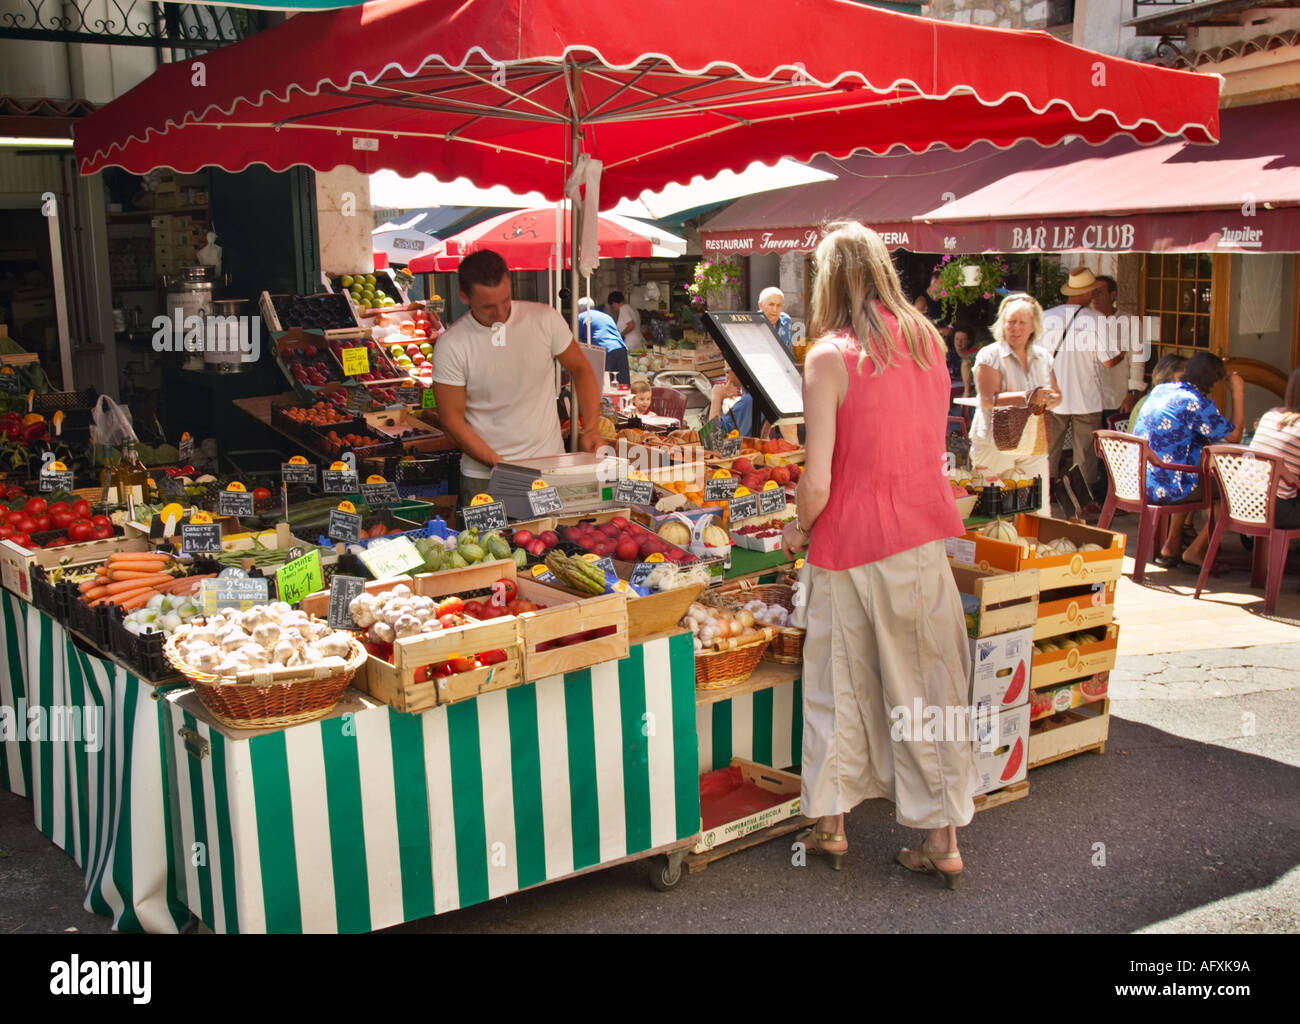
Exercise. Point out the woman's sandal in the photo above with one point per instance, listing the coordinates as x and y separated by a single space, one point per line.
927 865
836 856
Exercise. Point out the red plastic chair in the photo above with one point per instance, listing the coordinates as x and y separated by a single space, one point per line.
1248 481
668 402
1127 458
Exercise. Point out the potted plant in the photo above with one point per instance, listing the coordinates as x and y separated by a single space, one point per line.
965 280
715 283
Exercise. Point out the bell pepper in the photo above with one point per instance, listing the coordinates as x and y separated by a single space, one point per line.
32 417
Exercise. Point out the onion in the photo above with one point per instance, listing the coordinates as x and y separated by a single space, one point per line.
746 618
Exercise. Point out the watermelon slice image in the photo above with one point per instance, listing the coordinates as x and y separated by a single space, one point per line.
1017 684
1013 762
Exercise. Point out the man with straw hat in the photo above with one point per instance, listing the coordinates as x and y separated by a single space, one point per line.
1081 348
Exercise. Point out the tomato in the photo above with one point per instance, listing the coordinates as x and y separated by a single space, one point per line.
450 606
474 609
26 524
35 506
43 523
81 508
62 520
14 515
461 665
450 621
492 657
101 521
79 531
22 540
261 494
58 506
101 532
6 531
491 611
504 591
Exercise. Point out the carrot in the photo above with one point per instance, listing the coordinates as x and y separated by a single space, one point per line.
117 575
128 585
183 584
88 585
137 602
137 567
142 556
94 592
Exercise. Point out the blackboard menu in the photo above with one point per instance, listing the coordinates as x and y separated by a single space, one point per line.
200 538
544 501
720 488
342 590
235 503
381 495
744 507
772 501
485 517
56 480
634 492
298 473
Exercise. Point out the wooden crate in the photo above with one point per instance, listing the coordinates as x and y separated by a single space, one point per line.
16 562
1005 795
1054 571
396 683
1070 733
1087 610
431 440
659 612
1008 600
461 581
564 617
1053 667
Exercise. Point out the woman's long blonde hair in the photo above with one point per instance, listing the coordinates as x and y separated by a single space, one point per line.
854 272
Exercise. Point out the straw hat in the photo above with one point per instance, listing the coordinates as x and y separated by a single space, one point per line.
1081 282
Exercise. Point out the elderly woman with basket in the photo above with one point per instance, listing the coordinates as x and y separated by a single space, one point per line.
886 634
1016 385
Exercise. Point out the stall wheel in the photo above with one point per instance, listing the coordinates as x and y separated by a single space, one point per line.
666 871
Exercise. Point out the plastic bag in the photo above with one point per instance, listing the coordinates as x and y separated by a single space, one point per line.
111 423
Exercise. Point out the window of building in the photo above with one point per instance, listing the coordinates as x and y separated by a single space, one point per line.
1179 289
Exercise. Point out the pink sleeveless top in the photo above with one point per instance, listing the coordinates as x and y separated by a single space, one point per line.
889 486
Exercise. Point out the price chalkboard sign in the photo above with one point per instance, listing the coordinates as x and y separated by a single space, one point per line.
744 507
358 400
234 503
298 473
342 590
728 447
544 501
56 480
344 526
771 502
485 517
10 384
409 394
380 495
339 481
641 573
720 489
200 538
634 492
185 451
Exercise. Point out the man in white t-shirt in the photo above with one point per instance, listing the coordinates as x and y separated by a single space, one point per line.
1122 383
494 376
628 320
1082 351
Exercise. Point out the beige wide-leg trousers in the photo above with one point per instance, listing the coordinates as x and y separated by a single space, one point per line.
880 636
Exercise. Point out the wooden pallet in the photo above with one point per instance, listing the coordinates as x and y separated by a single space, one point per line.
1005 795
697 862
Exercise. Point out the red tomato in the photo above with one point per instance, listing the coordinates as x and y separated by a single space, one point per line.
461 665
508 588
261 494
22 540
14 515
62 520
6 531
26 524
474 609
81 508
101 532
450 606
450 621
101 521
43 522
35 506
492 657
491 611
58 506
79 531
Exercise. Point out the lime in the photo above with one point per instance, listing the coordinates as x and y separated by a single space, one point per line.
370 279
346 281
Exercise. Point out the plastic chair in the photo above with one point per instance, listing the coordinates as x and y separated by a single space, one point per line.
668 402
1248 481
1127 458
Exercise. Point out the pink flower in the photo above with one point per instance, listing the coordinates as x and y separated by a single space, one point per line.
986 295
943 295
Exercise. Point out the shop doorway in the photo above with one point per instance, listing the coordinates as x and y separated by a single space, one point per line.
27 286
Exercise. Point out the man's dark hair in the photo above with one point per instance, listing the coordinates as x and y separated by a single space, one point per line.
484 267
1204 370
616 297
1110 283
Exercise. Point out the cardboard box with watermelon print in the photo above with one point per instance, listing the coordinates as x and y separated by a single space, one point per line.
1000 669
1004 761
1053 700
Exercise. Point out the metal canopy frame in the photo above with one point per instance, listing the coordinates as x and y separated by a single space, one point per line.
190 27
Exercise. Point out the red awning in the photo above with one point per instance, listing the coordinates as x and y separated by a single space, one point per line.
1242 195
491 90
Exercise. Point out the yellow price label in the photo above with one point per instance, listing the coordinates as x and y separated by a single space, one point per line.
298 460
734 433
481 499
771 485
636 474
185 436
540 485
10 370
540 569
341 467
656 557
200 518
740 492
348 507
171 513
148 480
590 557
237 487
722 474
798 563
356 360
58 467
620 587
375 478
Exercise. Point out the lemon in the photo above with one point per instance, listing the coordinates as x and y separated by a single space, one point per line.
346 281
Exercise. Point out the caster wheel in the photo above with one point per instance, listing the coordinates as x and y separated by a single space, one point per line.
665 872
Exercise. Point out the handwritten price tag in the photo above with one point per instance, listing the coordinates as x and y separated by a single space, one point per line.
338 481
296 579
342 590
356 360
720 488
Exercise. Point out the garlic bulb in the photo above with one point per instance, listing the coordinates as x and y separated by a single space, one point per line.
382 632
337 645
364 609
266 634
233 638
254 655
406 625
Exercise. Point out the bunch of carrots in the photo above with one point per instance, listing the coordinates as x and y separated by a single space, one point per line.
130 578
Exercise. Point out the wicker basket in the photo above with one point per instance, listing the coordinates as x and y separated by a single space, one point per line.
276 705
787 642
716 670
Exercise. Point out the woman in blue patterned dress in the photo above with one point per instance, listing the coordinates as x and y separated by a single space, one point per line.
1177 421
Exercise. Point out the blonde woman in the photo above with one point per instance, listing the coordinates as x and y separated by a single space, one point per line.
1007 373
886 633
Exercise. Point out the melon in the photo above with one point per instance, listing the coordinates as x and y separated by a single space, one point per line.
676 533
1001 530
1091 547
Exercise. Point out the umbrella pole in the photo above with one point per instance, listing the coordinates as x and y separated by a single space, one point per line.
575 431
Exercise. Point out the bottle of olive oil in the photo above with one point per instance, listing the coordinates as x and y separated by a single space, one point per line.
126 481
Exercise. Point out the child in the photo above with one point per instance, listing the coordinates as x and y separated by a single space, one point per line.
640 397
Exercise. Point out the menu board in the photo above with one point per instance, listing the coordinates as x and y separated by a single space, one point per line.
486 517
235 503
634 492
544 501
344 526
200 538
771 501
753 350
298 473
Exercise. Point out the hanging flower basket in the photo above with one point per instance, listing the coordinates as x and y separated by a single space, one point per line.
715 282
966 280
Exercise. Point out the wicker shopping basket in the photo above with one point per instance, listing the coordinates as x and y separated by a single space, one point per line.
786 647
717 669
270 698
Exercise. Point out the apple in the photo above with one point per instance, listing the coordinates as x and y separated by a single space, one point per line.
535 547
522 537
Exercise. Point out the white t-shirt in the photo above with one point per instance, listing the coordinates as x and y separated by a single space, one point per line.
509 380
1079 341
1013 378
627 315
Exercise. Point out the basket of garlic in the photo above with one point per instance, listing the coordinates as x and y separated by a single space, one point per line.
728 647
771 604
265 668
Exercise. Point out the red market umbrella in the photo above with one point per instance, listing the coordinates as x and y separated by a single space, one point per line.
506 92
527 240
